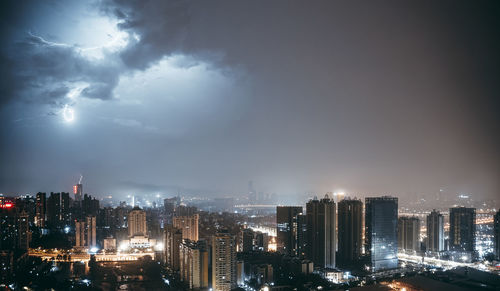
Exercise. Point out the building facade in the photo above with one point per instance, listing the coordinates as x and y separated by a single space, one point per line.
247 240
409 234
137 222
350 230
40 209
79 233
435 232
321 234
193 259
462 229
188 225
381 241
223 262
173 240
287 229
91 231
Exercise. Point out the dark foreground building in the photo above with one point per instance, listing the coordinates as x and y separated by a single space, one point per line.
321 239
350 230
462 229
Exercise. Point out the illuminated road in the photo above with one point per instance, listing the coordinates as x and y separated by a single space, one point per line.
443 263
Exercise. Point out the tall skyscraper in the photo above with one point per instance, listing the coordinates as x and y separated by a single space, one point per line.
78 191
65 211
223 261
350 230
91 231
286 221
247 239
188 225
23 231
462 229
496 234
173 240
194 264
409 233
80 234
85 232
137 222
381 241
301 235
435 232
54 209
321 236
40 209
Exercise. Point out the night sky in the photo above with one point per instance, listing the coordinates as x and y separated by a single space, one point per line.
371 97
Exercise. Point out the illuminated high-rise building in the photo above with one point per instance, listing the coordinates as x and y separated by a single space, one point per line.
40 210
350 230
301 235
91 231
409 233
381 241
78 191
287 229
65 211
80 233
496 234
137 222
435 232
193 260
188 225
462 229
321 235
223 261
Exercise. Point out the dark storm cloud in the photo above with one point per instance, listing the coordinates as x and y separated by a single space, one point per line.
43 72
159 27
374 97
399 87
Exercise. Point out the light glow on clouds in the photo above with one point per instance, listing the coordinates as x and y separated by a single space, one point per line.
68 113
170 98
118 40
77 90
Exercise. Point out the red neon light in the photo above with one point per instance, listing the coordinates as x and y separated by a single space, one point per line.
8 205
75 189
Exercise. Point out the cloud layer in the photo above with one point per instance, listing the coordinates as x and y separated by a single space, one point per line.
399 97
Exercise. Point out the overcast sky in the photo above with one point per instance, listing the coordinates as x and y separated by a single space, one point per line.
372 97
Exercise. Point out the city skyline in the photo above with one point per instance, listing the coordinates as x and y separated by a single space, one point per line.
191 98
249 145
